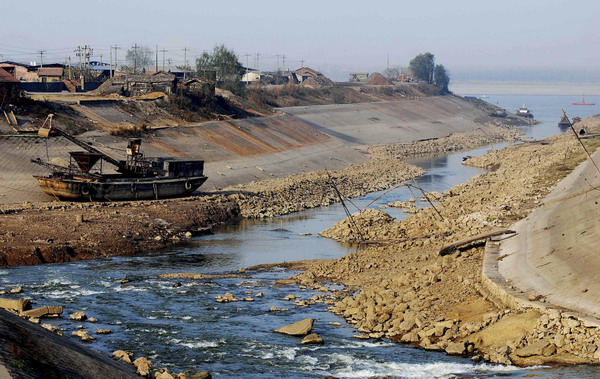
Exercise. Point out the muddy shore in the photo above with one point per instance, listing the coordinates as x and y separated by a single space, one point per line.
409 293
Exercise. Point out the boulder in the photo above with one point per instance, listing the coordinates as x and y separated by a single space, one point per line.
78 316
52 310
83 335
300 328
312 338
18 305
541 347
163 375
456 348
143 366
122 355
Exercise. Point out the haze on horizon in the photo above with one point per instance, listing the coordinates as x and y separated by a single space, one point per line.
473 39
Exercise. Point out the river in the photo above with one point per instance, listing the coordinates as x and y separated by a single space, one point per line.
183 328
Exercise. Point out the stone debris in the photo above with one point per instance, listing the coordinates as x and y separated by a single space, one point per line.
78 316
45 311
143 366
276 309
404 291
122 355
300 328
53 329
18 305
227 298
83 335
312 339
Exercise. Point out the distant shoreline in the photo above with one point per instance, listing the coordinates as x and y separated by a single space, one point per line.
524 88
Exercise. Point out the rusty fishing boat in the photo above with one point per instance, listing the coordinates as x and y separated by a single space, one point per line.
136 178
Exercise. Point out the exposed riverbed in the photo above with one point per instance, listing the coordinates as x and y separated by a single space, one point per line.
184 328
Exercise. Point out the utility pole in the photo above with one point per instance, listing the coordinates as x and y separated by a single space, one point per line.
247 55
135 47
156 60
163 51
257 58
185 50
110 65
283 57
41 53
302 63
112 73
69 61
169 61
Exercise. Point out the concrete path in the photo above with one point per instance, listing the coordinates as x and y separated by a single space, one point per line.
556 252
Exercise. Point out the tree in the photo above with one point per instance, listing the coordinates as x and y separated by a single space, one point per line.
137 59
223 66
441 78
422 67
392 73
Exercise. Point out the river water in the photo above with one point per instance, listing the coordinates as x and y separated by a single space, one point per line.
183 328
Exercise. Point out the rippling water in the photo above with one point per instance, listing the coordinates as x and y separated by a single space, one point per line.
183 328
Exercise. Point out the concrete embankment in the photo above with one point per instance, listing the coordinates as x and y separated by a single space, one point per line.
237 152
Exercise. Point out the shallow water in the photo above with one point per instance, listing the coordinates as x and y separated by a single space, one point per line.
183 328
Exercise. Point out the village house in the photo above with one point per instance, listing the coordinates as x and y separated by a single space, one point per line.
136 85
9 88
23 72
50 74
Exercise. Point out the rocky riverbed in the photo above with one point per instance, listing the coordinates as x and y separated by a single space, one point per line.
409 293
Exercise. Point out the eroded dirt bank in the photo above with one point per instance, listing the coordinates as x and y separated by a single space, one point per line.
409 293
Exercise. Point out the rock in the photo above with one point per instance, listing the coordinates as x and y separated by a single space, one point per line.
143 366
53 310
103 331
92 319
335 323
312 338
83 335
16 290
275 309
18 305
290 297
541 347
410 337
456 348
260 294
228 297
300 328
163 375
52 328
125 356
248 298
78 316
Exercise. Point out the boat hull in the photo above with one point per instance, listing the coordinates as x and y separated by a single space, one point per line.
75 189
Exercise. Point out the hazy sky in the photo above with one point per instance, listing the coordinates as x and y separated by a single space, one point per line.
333 36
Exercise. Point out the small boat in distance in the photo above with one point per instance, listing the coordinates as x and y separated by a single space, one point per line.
564 122
583 102
524 112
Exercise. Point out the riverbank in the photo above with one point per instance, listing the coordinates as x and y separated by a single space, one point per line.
409 293
66 232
